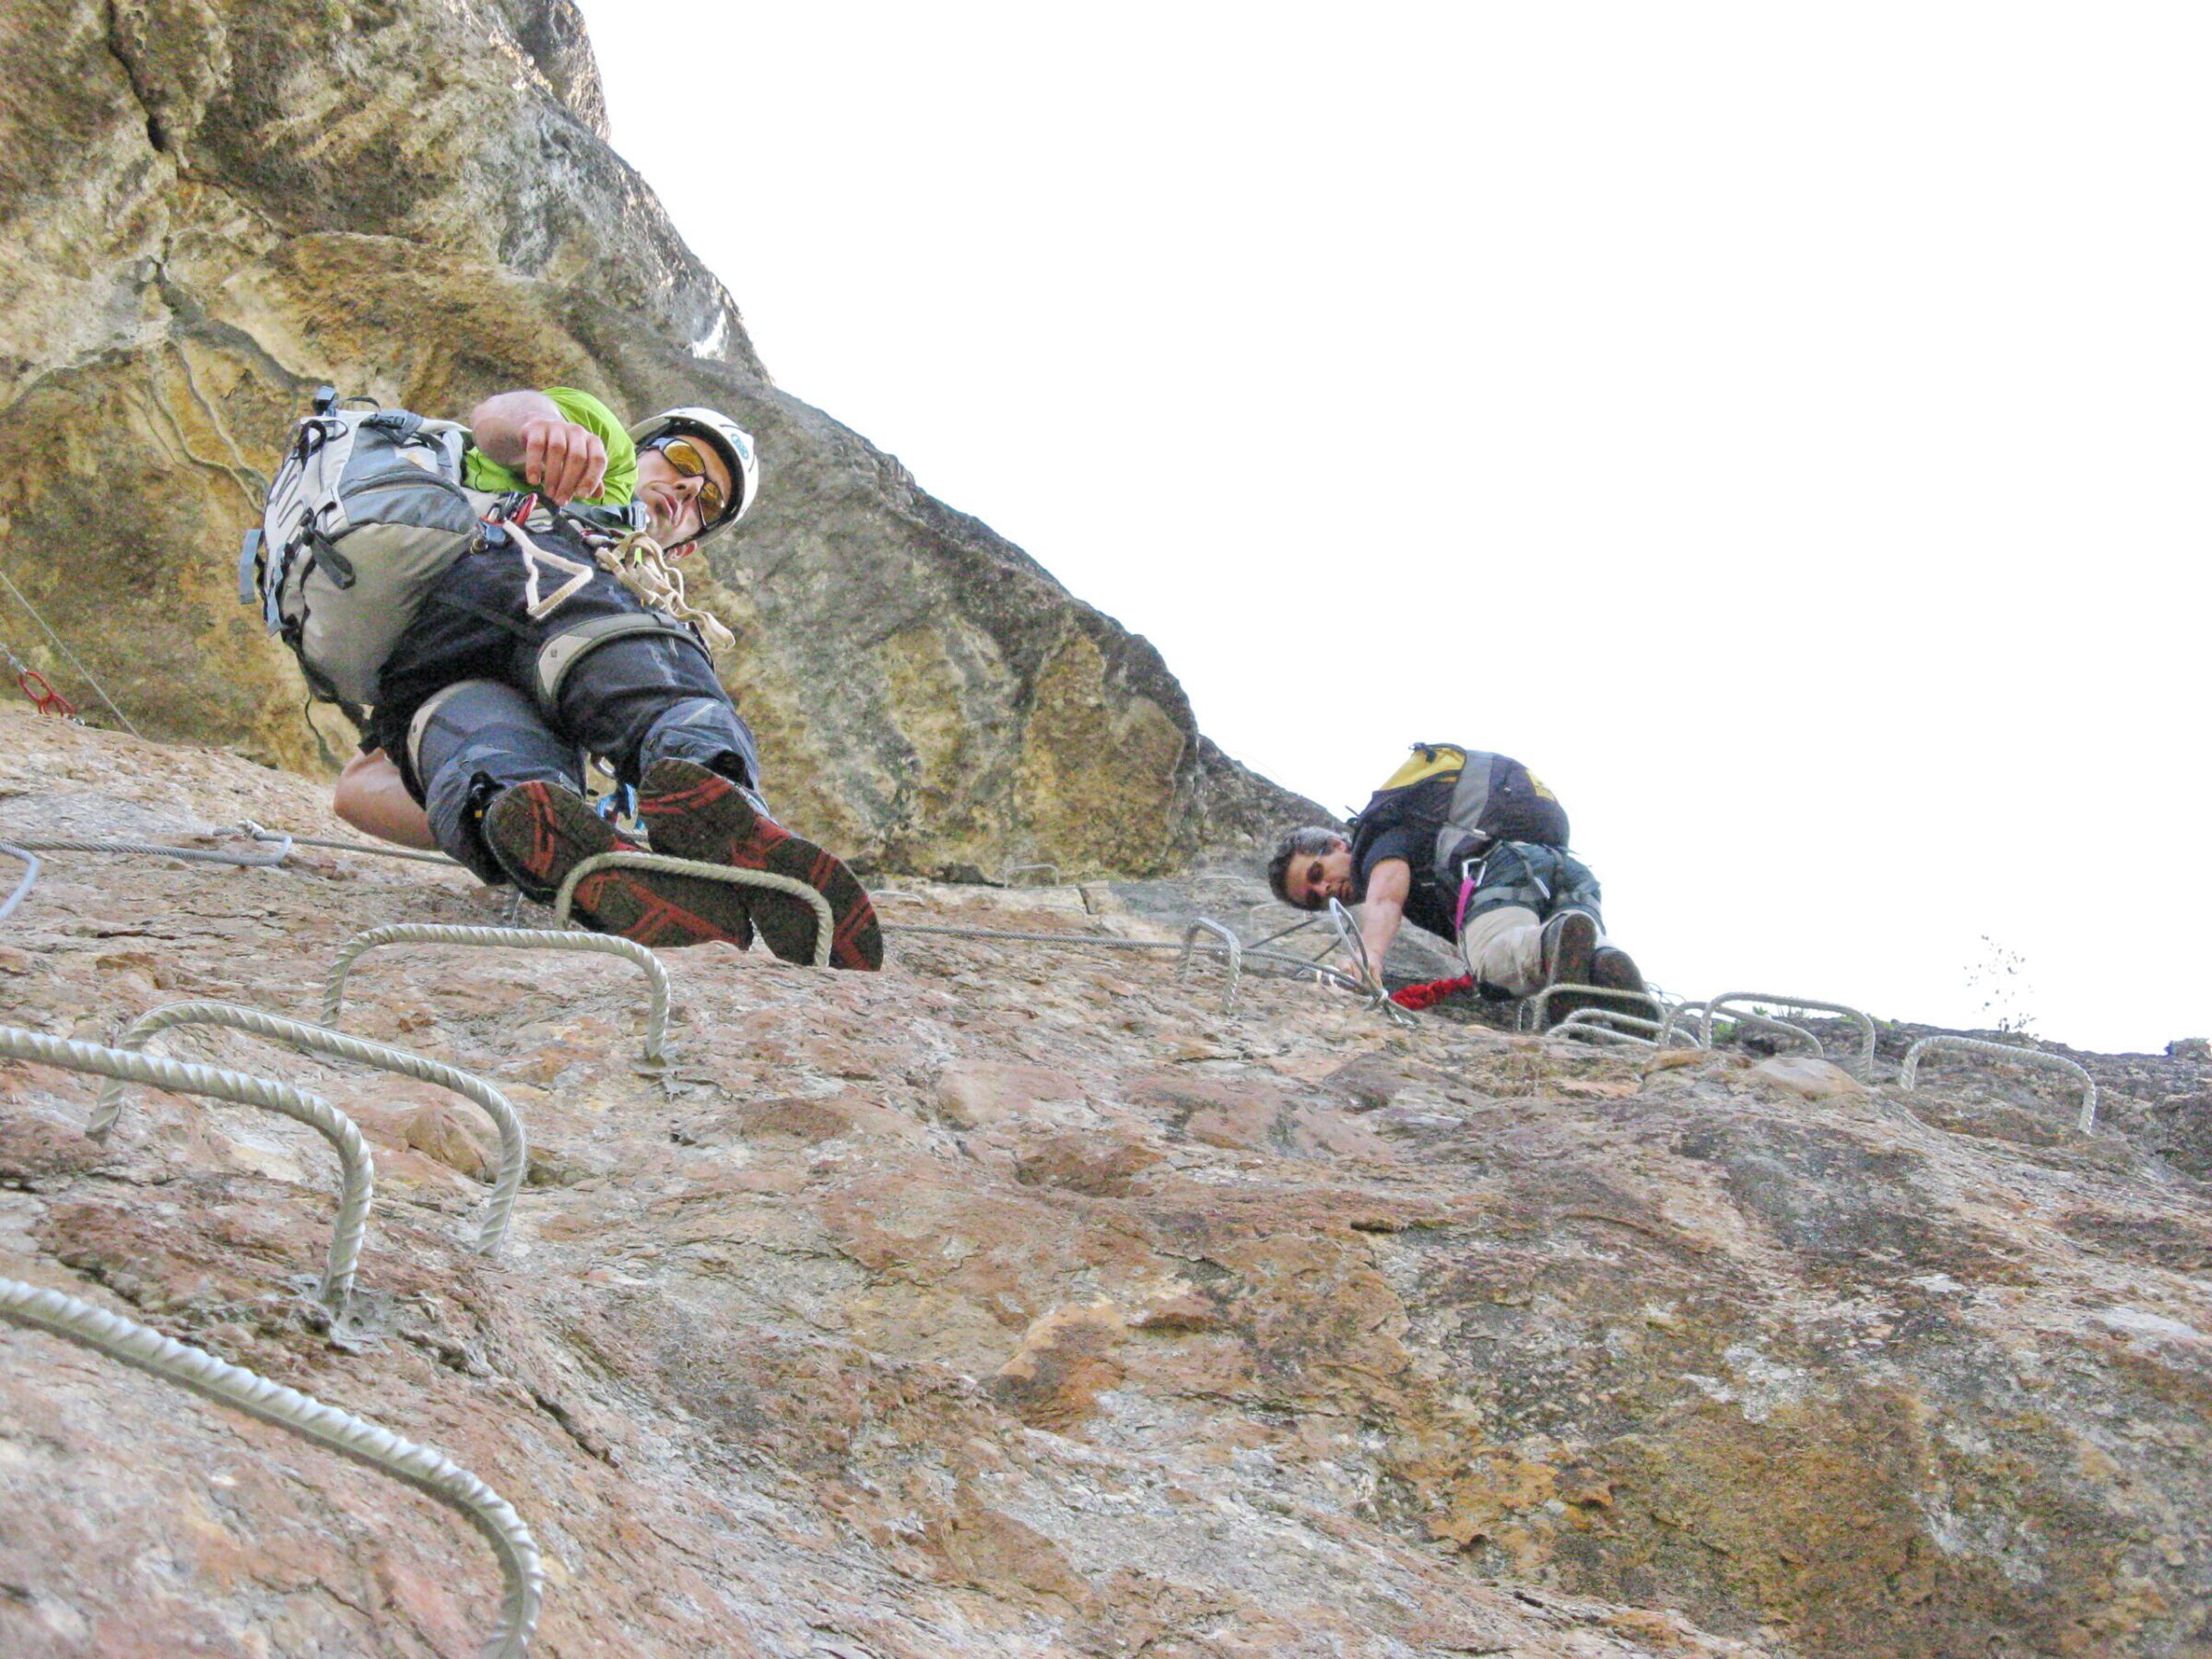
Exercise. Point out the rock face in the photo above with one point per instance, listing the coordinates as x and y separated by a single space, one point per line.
1019 1300
208 207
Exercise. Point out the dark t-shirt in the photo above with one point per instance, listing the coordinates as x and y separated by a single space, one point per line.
1403 823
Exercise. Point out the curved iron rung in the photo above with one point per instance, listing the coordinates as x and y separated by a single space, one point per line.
1234 950
514 1144
357 1168
825 921
1908 1076
509 938
425 1469
1533 1006
1865 1067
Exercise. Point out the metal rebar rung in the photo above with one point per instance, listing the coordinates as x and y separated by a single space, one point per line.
515 1146
513 938
1538 1003
425 1469
825 920
30 874
1231 945
1765 1022
357 1168
1865 1067
1909 1074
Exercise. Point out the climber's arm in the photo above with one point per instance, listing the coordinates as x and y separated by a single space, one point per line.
1383 911
372 796
527 433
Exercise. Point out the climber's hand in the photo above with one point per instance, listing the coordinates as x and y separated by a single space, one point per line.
562 460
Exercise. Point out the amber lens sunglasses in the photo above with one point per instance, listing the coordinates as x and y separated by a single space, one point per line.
690 462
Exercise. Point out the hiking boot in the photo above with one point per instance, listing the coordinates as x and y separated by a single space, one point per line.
540 831
1613 968
694 813
1570 938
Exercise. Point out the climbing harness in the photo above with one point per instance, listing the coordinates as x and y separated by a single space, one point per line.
514 1144
508 938
428 1470
356 1170
17 664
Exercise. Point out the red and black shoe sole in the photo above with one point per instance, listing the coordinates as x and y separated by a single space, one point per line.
693 813
1570 951
541 831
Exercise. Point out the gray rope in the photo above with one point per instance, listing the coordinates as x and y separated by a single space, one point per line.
824 920
513 938
1908 1076
1235 952
1865 1067
65 650
260 834
30 874
515 1146
425 1469
357 1171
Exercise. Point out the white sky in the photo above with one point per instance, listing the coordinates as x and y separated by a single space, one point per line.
1785 428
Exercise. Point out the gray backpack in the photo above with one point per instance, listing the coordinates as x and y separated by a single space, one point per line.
366 512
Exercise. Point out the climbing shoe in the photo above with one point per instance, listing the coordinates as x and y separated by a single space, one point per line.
693 813
1569 939
541 831
1612 968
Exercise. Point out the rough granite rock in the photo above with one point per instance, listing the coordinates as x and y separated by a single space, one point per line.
1020 1301
209 207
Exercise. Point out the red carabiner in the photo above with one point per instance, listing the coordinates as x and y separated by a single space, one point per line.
47 700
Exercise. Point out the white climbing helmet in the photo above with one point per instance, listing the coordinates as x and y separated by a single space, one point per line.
734 442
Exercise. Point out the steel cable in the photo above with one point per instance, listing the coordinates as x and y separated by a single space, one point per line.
30 874
515 1146
155 849
260 834
425 1469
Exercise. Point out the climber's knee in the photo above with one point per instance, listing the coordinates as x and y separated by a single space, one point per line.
469 742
